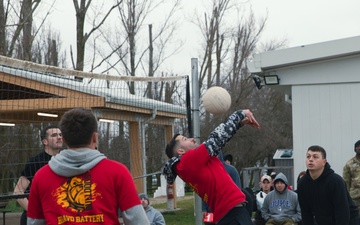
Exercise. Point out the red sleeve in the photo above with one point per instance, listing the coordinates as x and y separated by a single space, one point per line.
34 206
126 189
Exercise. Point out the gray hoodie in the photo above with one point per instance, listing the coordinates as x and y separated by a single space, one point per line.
280 206
69 163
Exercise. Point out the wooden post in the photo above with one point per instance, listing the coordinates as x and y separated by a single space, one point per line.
136 167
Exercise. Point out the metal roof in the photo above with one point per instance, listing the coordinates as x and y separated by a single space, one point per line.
124 97
283 154
304 54
25 92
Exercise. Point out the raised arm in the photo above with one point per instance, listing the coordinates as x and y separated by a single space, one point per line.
226 130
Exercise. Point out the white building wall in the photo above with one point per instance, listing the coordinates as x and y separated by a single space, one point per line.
326 115
323 81
161 190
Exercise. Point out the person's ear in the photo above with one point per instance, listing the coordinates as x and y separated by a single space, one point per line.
94 139
180 151
44 141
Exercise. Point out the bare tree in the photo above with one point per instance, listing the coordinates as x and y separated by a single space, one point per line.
3 42
81 9
132 56
17 29
24 25
47 48
214 33
227 48
27 18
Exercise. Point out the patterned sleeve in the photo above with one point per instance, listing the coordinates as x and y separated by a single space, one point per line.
347 176
223 133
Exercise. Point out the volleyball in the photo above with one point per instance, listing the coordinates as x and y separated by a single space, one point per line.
216 100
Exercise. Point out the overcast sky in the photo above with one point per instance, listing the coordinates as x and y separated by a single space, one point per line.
310 21
301 22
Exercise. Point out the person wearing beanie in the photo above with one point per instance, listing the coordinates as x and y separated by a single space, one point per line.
351 175
281 206
154 216
228 159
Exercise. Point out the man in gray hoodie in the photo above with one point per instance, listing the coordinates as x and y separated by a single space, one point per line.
281 206
80 185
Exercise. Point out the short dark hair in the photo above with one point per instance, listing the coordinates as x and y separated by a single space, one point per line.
301 174
317 148
170 147
228 157
43 133
77 126
357 144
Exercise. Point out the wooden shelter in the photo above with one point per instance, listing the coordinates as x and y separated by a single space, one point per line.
25 92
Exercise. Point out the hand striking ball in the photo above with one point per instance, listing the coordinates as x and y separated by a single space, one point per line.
216 100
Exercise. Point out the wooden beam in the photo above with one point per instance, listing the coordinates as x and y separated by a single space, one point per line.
136 166
28 117
41 86
49 104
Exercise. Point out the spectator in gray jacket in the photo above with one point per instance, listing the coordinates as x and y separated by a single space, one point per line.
154 216
281 206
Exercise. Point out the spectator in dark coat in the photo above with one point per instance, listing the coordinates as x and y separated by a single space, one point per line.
322 193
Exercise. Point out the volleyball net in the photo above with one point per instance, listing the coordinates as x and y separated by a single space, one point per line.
34 96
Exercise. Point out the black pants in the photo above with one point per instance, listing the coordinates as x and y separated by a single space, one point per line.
236 216
23 218
354 221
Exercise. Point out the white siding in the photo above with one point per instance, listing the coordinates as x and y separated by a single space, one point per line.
326 107
326 115
324 83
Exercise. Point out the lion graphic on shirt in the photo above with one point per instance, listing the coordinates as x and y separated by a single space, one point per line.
77 194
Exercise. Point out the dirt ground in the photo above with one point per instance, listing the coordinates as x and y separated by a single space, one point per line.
14 218
11 218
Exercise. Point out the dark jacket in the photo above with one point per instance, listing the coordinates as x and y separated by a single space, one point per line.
326 199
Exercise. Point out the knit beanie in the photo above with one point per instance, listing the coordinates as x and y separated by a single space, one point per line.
356 144
143 195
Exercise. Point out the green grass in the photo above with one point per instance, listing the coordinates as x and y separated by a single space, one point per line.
184 215
13 206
